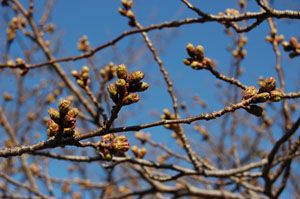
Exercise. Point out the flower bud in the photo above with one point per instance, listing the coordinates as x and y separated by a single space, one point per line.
120 143
85 69
112 90
293 42
286 46
122 71
69 122
54 114
73 112
276 95
130 99
75 73
64 106
139 87
121 86
200 52
20 61
249 92
190 50
80 83
187 61
85 76
142 152
136 76
261 97
255 110
53 128
267 84
135 150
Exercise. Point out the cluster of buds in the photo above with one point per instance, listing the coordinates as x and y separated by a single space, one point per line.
293 47
63 120
110 145
82 78
197 60
240 52
123 91
266 92
273 37
143 137
15 24
127 12
108 72
139 152
167 115
83 44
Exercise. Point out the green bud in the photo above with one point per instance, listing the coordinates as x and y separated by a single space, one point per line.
276 95
85 69
255 110
191 50
64 106
135 77
249 92
112 90
85 76
54 114
122 71
80 83
130 99
261 97
200 51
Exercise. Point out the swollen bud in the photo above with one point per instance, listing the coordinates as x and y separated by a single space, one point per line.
276 95
121 86
267 84
64 106
136 76
190 49
120 143
249 92
54 114
122 71
261 97
112 90
130 99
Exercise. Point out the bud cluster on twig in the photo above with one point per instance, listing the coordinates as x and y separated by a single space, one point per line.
109 71
266 92
292 46
123 91
63 120
139 152
16 23
196 59
83 44
127 12
167 115
110 145
82 78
